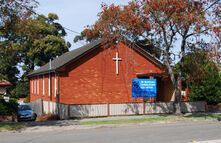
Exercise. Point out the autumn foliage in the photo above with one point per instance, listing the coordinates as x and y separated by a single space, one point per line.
116 21
144 18
169 24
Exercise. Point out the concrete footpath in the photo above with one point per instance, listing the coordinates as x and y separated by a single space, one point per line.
155 132
77 123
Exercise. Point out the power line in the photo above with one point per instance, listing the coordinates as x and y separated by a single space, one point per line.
73 31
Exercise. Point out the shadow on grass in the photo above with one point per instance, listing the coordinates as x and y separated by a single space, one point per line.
204 115
128 121
60 123
16 126
10 126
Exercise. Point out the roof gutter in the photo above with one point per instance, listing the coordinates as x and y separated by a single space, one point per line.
40 73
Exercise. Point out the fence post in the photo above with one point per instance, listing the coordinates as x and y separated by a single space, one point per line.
42 107
108 109
69 112
144 108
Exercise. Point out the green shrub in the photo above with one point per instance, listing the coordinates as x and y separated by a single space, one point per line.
8 108
209 88
3 107
27 99
21 90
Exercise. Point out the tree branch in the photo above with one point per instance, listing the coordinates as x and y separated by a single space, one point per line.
187 36
214 3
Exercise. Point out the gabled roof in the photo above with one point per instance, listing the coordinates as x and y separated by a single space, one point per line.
5 83
68 57
65 58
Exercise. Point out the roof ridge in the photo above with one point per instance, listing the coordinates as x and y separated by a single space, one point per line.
65 58
74 54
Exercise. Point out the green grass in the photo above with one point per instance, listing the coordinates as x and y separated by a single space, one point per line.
197 117
127 121
10 126
204 116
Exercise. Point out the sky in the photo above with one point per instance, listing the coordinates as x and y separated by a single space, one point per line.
75 14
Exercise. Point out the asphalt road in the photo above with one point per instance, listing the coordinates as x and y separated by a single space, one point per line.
147 133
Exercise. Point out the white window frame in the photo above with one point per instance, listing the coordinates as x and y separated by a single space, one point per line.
55 85
49 84
32 86
35 85
43 85
38 85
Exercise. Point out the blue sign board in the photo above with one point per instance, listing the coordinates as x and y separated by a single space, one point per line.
144 88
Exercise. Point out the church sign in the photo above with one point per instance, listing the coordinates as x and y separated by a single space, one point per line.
144 88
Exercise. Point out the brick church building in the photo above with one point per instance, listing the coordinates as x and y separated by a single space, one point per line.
98 73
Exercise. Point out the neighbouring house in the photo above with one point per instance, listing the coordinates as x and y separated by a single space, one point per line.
97 74
4 84
21 100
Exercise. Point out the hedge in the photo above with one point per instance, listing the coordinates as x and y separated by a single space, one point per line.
8 108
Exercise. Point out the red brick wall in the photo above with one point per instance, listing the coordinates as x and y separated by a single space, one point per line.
39 79
93 79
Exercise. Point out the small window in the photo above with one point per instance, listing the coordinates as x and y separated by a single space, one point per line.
34 85
49 85
38 85
55 85
43 85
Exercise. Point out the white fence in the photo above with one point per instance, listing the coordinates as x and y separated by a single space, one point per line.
88 110
70 111
126 109
159 108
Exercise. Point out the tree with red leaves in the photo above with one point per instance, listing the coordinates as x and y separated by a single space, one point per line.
117 22
187 20
174 24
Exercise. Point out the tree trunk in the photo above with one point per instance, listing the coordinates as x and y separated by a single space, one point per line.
175 82
32 66
177 103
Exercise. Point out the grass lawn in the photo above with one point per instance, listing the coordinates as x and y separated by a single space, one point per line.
196 117
204 116
10 126
126 121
